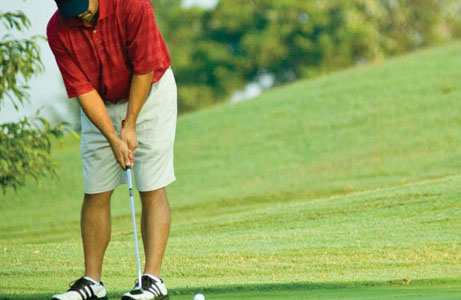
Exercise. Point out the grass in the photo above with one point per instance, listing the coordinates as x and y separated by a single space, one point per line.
363 291
342 187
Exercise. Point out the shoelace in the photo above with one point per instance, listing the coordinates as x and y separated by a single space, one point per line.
78 284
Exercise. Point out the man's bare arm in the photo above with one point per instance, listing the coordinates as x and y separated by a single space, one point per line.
95 109
139 89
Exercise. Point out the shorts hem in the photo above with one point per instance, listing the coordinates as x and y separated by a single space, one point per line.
102 190
159 185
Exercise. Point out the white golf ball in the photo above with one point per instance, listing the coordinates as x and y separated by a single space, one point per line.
199 297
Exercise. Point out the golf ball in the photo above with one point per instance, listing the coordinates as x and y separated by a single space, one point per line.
199 297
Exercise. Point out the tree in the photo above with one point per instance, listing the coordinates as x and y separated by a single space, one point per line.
216 52
24 145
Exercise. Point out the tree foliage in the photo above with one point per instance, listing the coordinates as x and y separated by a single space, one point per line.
24 145
217 51
17 57
25 151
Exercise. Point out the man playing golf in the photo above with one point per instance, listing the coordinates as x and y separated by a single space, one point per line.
113 58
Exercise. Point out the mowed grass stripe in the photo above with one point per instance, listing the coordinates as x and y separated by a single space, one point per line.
402 232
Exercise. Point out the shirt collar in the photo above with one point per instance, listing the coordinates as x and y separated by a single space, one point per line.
106 9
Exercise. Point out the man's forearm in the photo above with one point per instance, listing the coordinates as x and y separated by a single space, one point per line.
140 87
95 109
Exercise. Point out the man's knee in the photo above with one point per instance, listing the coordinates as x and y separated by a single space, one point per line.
98 200
155 197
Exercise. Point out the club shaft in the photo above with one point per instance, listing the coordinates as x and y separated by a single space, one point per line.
133 219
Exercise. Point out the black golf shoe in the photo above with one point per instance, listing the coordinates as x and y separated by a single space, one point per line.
83 289
152 289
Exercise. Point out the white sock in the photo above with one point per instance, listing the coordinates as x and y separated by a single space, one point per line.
153 277
91 279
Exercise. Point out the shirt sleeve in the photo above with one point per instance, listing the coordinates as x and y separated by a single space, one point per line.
144 41
75 81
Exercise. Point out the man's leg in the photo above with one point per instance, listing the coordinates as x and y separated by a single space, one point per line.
155 225
95 225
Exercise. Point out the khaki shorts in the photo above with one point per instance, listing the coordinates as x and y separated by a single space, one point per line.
155 128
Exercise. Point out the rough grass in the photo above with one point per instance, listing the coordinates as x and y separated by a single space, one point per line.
348 178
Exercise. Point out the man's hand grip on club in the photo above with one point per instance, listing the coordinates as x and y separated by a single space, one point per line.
129 136
122 152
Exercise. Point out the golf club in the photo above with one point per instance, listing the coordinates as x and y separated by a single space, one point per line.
133 219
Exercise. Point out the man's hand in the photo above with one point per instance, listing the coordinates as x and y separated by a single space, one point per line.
122 152
128 135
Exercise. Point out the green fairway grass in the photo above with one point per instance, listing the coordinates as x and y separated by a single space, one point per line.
350 178
442 291
347 294
365 293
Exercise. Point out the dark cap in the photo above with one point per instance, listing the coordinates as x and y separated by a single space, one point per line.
72 8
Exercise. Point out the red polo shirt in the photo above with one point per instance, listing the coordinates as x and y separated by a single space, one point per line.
124 41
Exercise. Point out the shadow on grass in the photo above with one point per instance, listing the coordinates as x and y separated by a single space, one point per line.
270 287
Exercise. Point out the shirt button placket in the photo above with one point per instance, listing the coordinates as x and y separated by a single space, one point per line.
96 37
